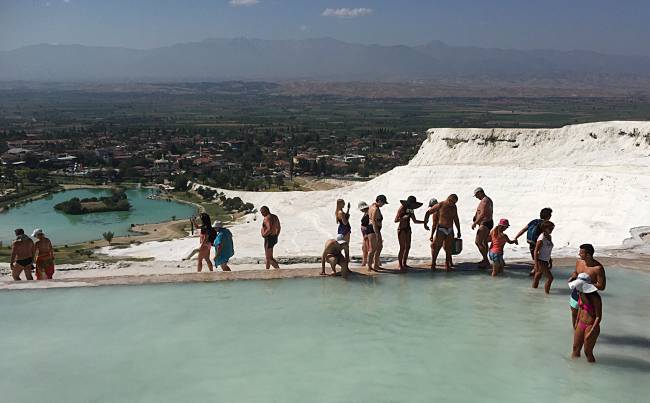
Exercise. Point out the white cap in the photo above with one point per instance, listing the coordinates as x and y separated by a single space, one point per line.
433 202
217 224
477 190
340 238
37 231
363 205
583 284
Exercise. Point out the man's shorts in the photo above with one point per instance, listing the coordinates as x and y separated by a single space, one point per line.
270 241
496 257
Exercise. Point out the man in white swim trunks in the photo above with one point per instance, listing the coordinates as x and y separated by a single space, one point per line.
447 218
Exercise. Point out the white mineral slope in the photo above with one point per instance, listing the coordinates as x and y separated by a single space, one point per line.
595 176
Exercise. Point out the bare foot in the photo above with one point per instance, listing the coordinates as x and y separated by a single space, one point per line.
323 273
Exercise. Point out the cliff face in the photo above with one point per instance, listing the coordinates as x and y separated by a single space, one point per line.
592 144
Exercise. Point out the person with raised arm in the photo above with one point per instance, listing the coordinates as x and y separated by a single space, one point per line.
406 214
532 231
589 317
343 220
543 260
498 240
596 271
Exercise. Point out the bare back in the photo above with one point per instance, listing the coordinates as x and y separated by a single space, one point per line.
23 249
43 247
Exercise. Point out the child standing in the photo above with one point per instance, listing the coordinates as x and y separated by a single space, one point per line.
497 241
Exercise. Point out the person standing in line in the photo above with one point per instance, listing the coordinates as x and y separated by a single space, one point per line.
543 260
343 220
405 214
498 239
376 240
22 255
596 271
270 232
335 253
434 228
44 256
447 218
483 220
206 238
366 230
589 317
223 246
532 233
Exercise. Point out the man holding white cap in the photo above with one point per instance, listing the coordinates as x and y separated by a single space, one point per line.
44 256
335 253
483 220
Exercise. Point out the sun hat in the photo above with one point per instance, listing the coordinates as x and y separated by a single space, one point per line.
340 238
504 222
433 202
411 202
37 231
478 190
583 284
381 198
217 224
363 205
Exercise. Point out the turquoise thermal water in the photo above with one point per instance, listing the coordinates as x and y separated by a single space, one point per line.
64 228
461 337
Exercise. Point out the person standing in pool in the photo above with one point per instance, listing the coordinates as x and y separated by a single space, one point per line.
596 271
206 238
343 220
498 240
223 246
44 256
335 253
483 220
447 217
589 318
405 214
376 240
22 255
543 260
532 233
366 230
270 232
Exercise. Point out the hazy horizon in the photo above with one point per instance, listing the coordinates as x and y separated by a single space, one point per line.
596 25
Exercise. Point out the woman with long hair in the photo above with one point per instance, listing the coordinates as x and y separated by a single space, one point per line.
376 240
406 214
366 230
206 238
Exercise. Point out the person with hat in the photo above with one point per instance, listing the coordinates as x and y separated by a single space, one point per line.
406 214
22 255
366 229
595 270
223 246
44 256
376 240
335 253
483 220
444 230
590 314
498 239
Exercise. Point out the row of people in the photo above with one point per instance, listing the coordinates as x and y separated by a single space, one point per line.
28 256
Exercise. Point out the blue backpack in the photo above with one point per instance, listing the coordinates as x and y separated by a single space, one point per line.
533 230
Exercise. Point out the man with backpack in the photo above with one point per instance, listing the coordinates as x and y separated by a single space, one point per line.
533 230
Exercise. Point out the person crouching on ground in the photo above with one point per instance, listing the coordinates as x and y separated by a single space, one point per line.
22 255
270 232
543 260
590 314
223 246
206 239
406 214
44 256
335 253
366 229
498 239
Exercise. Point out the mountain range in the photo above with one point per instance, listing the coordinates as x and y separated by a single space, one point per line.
322 59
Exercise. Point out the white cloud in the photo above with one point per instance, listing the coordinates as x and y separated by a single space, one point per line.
239 3
346 12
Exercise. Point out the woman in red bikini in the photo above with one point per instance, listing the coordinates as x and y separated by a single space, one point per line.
590 313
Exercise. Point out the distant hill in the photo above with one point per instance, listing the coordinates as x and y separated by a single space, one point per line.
311 59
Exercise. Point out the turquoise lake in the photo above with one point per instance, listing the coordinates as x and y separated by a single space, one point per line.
459 337
68 229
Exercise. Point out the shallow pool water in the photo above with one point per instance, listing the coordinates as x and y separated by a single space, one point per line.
461 337
66 228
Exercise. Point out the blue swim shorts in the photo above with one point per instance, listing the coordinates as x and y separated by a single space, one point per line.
496 257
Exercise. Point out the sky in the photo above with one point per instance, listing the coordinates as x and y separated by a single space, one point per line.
608 26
